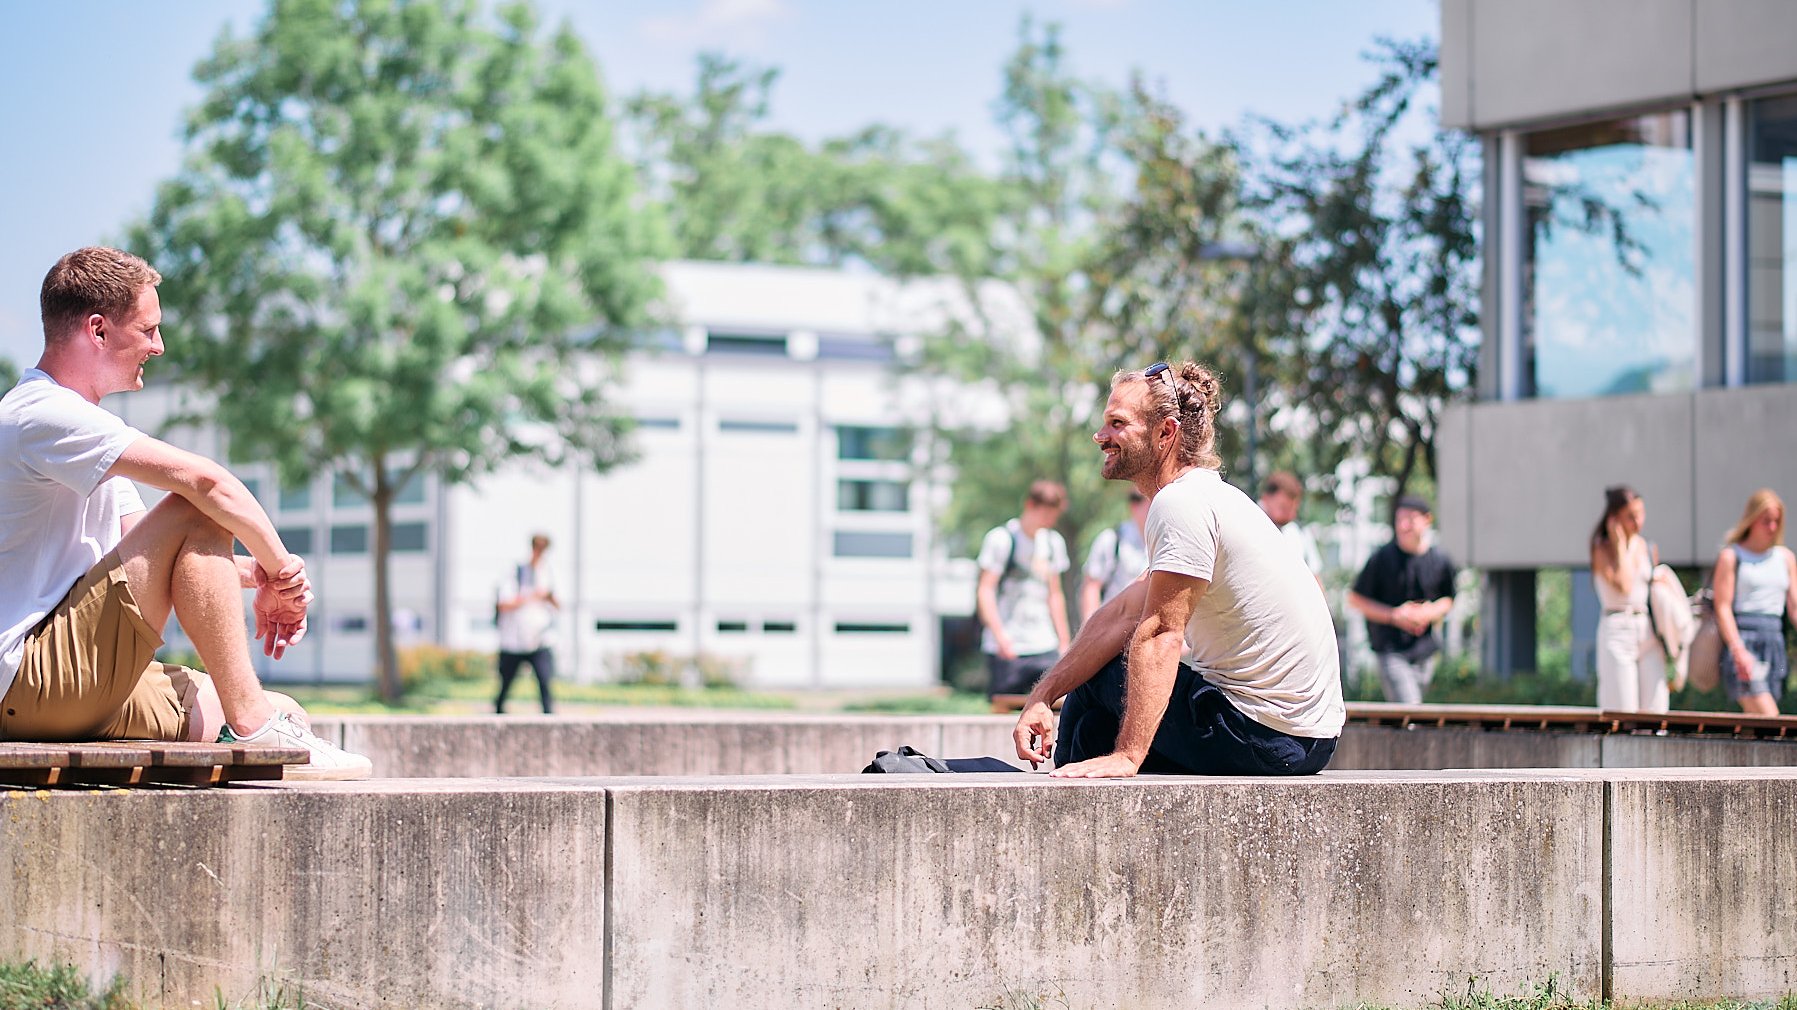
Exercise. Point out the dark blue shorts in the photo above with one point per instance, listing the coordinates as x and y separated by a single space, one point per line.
1201 734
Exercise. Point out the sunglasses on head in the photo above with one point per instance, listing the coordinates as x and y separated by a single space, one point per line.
1156 369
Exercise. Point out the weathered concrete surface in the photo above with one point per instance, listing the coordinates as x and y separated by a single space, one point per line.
660 742
1649 751
1423 747
954 892
678 742
405 894
1702 873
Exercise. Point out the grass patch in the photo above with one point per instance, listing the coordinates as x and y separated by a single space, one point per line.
451 697
26 985
958 703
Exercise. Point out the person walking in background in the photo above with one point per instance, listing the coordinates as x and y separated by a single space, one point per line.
1631 663
1281 496
527 607
1020 600
1117 558
1406 587
1756 591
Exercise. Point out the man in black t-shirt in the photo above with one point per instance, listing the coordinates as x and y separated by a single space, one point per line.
1406 587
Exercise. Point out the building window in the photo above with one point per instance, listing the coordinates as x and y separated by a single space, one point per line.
411 538
350 623
344 493
873 496
1609 278
742 427
297 538
732 627
779 627
846 348
1772 240
635 624
862 544
349 539
854 442
411 492
297 498
658 423
765 345
872 628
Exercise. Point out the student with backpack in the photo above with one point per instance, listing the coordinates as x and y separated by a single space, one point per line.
1117 558
1020 602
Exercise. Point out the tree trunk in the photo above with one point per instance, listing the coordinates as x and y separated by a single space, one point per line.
386 661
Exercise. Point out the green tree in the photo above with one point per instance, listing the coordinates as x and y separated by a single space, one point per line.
1112 207
1376 299
9 373
402 244
736 190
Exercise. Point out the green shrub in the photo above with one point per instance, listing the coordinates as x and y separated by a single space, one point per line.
62 988
421 665
660 668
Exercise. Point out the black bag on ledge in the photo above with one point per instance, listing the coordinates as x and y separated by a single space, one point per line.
907 760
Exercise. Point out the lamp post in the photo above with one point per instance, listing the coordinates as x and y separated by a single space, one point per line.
1246 254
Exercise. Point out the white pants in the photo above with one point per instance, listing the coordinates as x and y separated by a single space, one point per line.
1631 668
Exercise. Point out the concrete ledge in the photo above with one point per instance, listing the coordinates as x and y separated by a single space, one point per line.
780 743
917 891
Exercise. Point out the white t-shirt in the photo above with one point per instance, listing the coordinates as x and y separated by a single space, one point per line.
1023 594
58 516
526 627
1116 559
1262 632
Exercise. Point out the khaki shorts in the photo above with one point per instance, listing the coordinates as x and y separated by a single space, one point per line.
89 670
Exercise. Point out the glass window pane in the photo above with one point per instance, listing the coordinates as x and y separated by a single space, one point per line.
410 493
297 538
1772 240
1610 273
296 498
349 540
860 544
854 442
344 494
873 496
410 538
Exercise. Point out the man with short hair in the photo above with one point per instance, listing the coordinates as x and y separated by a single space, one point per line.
1406 587
527 607
1281 496
92 576
1117 558
1222 660
1020 600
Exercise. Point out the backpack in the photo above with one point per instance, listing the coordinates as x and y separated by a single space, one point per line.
908 759
1011 566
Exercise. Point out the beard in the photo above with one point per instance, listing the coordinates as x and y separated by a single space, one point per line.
1129 462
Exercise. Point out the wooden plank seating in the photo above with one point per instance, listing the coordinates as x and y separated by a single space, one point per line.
141 763
1546 718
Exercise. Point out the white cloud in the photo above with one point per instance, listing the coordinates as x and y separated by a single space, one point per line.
738 23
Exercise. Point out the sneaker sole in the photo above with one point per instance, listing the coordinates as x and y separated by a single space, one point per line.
313 773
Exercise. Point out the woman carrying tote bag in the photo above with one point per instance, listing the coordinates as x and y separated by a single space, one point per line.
1755 593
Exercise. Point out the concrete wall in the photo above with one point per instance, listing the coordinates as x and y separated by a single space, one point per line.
1506 62
753 743
1529 475
917 891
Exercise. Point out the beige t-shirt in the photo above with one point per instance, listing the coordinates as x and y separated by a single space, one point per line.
1262 632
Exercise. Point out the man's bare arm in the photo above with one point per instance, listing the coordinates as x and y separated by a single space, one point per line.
211 488
1154 651
1105 634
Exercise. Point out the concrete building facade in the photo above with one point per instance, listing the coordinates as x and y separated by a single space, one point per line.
779 515
1640 284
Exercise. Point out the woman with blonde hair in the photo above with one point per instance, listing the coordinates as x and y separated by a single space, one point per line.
1756 590
1631 666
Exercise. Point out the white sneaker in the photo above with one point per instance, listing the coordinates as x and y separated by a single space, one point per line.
329 762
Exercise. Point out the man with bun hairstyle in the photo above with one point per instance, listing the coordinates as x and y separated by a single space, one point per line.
92 576
1223 659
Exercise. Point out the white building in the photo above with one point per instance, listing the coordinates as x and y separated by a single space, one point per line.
778 513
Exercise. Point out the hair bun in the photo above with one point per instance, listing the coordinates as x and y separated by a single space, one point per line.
1205 382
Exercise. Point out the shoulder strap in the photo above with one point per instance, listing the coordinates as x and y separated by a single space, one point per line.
1010 556
1119 551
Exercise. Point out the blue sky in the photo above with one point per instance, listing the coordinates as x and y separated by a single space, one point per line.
92 92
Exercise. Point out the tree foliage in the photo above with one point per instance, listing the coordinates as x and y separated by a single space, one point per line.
403 244
9 373
735 189
1374 294
1113 205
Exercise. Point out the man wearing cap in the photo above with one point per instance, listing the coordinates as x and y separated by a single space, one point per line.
1406 587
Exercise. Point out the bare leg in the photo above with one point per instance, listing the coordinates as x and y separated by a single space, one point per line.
1759 704
178 560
